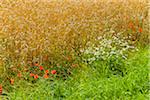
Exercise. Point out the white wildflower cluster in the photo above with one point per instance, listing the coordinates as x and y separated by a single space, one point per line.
107 46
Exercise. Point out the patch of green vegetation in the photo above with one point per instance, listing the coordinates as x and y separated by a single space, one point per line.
94 82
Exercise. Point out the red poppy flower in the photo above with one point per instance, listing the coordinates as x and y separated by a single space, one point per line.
41 68
140 30
36 76
46 71
11 81
31 74
19 75
36 64
45 76
53 72
1 90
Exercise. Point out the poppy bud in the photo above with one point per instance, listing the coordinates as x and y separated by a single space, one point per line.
1 90
140 30
41 68
31 74
53 72
11 81
46 71
19 75
36 76
36 64
45 76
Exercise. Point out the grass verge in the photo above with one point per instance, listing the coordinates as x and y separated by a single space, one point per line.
92 83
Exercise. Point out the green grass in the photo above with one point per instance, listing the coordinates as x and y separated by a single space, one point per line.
95 82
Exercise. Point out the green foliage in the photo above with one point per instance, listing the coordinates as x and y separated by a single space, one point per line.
95 82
